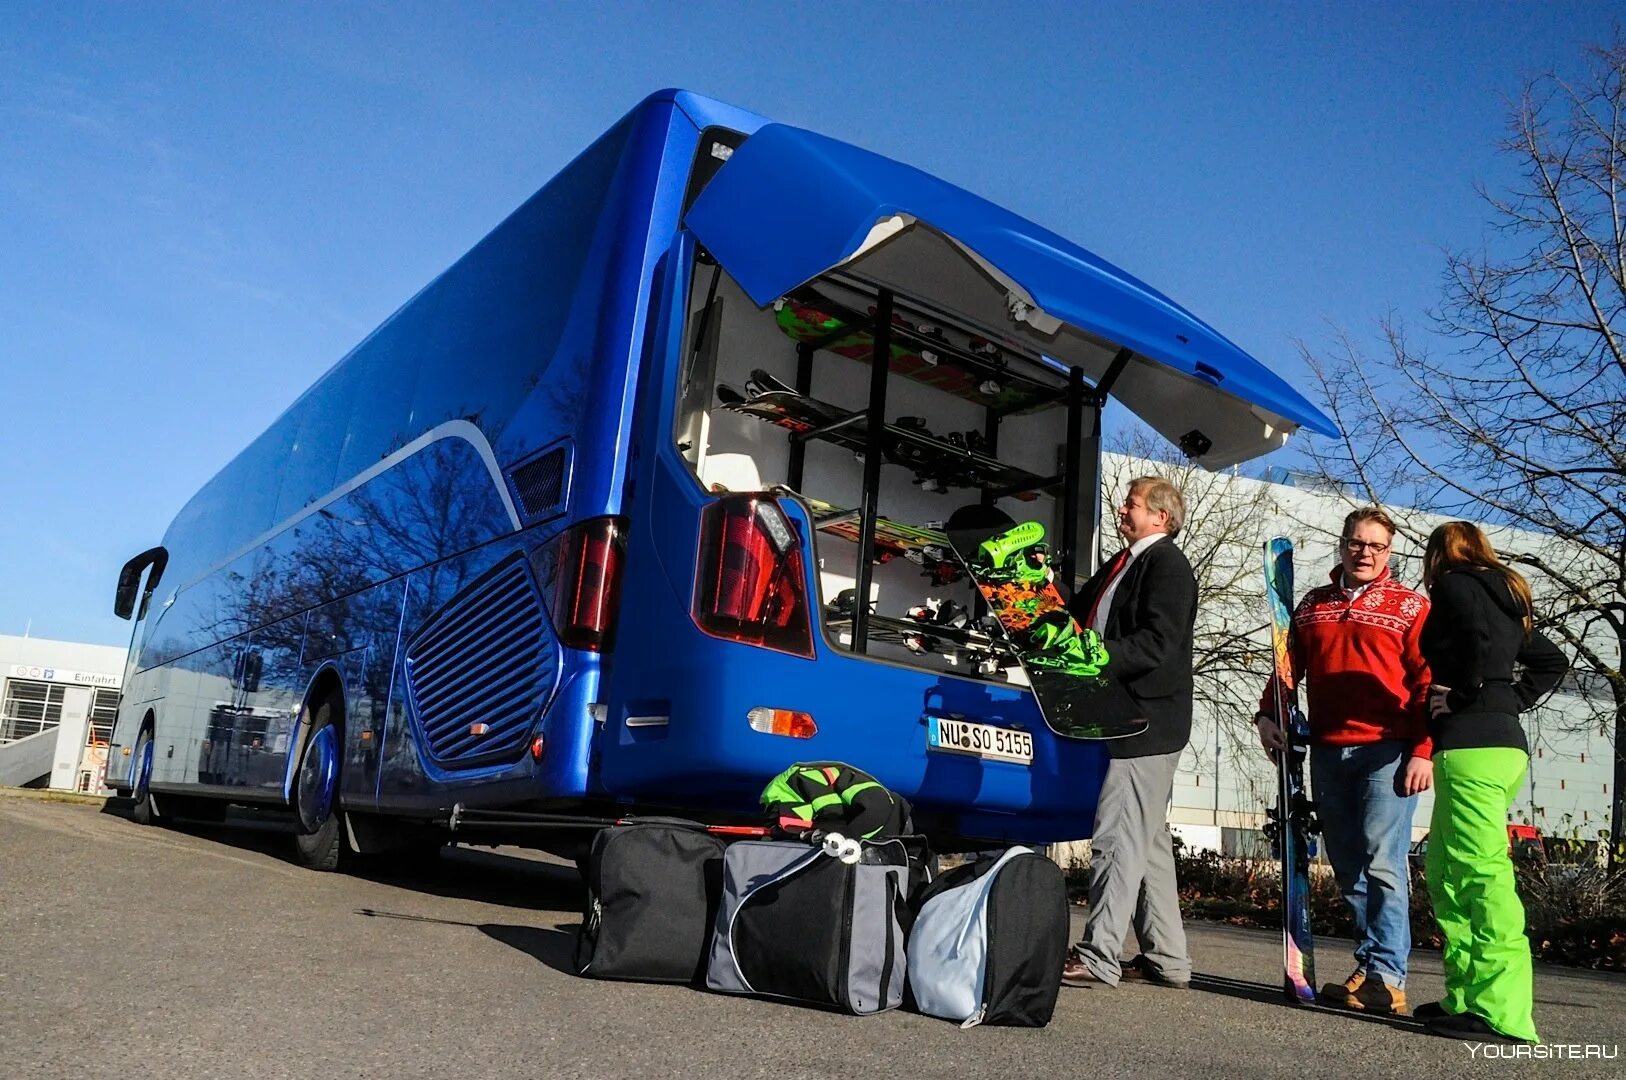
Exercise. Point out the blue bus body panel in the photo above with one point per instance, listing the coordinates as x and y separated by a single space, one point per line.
705 112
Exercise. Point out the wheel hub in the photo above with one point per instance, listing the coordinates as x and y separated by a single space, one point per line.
317 778
143 767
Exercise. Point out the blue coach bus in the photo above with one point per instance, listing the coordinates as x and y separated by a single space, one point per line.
538 551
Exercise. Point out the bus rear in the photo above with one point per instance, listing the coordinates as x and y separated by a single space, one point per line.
783 598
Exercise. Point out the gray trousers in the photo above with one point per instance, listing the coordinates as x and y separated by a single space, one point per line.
1132 872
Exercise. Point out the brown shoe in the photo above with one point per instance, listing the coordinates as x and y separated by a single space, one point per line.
1074 973
1377 996
1343 993
1141 970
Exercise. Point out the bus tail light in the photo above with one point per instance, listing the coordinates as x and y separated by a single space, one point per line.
750 585
586 582
797 725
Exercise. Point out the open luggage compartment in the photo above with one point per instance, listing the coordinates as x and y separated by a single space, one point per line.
779 398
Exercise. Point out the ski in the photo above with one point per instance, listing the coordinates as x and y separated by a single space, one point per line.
1292 820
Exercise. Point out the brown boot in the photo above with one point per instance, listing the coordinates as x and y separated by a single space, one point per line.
1377 996
1343 993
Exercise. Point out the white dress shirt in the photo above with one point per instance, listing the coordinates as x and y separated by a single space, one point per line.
1103 609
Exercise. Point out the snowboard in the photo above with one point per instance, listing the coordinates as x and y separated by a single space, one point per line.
832 318
1008 563
938 463
926 548
1292 821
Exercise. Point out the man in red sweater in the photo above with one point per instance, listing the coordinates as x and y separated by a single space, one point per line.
1355 646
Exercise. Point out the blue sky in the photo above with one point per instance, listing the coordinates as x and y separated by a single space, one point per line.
203 206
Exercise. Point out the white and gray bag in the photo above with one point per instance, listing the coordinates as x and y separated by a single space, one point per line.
989 941
797 923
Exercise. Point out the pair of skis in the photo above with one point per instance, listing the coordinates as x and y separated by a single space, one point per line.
1292 821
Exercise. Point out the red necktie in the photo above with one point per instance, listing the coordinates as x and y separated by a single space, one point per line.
1118 562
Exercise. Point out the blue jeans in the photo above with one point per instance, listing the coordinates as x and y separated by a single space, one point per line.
1366 825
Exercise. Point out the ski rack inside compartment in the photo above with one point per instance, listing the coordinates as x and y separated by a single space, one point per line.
930 457
894 631
1039 384
1076 394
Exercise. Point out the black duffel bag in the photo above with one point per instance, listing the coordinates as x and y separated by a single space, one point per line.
652 894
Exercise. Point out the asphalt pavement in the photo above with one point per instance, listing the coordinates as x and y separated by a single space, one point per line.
202 951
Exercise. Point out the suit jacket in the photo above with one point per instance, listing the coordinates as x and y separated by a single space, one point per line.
1149 639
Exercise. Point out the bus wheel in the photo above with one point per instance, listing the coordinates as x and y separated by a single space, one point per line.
319 838
145 811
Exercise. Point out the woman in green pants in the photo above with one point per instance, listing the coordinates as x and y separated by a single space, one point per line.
1479 626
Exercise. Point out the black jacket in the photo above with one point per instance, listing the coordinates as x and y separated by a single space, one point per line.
1148 638
1473 637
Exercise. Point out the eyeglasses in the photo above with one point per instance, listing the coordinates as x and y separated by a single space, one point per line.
1359 546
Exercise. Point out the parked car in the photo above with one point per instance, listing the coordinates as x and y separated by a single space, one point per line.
1524 842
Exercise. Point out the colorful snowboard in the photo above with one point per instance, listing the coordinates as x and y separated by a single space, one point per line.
919 351
1067 669
930 458
1292 820
927 548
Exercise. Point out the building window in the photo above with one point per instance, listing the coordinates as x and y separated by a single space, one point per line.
104 709
29 708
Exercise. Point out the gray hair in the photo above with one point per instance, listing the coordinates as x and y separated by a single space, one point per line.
1160 494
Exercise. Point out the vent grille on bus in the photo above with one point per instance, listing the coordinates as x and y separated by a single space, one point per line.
479 674
540 484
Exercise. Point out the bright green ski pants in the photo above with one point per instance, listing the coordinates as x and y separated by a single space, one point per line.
1470 878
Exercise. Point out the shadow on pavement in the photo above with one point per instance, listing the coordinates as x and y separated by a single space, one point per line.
1270 994
553 946
523 879
489 877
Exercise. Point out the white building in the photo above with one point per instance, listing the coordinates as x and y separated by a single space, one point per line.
58 700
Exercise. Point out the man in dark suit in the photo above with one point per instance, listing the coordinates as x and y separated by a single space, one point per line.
1144 605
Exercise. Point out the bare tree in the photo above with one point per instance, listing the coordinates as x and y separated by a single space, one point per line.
1520 419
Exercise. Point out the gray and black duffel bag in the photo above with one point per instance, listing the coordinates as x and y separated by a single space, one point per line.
989 941
797 923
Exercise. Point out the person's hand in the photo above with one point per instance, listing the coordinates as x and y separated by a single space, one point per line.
1438 706
1270 735
1419 776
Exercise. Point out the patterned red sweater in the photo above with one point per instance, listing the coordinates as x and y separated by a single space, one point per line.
1364 676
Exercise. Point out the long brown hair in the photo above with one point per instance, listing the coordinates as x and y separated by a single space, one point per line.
1460 545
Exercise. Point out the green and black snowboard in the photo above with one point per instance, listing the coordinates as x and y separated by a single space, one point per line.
1067 666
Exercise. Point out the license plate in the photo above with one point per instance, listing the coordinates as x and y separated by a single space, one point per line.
979 740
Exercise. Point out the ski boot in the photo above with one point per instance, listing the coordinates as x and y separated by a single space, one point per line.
1055 643
845 605
937 611
1015 555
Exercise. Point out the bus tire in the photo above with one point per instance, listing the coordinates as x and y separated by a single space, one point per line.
144 810
319 827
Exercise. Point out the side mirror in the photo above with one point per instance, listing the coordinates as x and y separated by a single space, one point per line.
124 601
